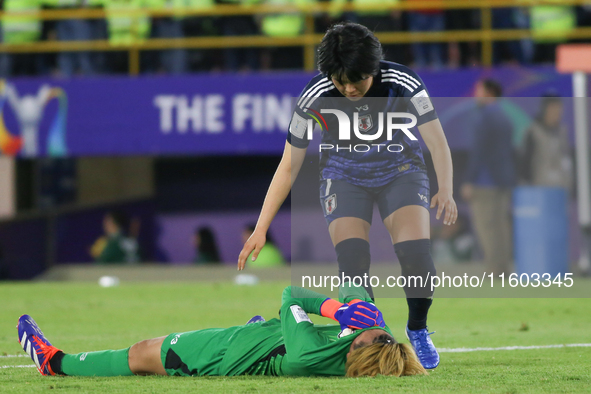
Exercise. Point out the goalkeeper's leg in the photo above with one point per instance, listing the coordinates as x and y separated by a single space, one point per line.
143 358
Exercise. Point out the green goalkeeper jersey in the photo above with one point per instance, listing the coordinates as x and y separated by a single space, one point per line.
292 345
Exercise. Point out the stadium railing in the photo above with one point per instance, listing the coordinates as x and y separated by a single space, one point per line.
486 35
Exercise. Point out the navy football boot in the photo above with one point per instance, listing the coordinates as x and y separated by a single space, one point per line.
424 348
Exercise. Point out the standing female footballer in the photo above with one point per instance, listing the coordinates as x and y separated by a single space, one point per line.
291 346
352 70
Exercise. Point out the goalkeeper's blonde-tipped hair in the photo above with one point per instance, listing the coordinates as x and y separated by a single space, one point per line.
388 359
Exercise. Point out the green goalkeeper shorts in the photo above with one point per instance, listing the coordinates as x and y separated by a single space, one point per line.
195 353
223 351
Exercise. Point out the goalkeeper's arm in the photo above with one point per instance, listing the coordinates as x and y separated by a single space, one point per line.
360 315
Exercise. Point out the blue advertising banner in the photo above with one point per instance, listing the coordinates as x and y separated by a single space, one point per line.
213 114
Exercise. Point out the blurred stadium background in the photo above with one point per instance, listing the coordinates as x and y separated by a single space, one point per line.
171 116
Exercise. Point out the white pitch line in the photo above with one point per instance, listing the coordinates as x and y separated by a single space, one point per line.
14 355
488 349
17 366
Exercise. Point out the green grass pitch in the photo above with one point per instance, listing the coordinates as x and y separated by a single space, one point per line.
84 317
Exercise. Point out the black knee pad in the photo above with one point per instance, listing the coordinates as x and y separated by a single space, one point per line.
354 259
415 260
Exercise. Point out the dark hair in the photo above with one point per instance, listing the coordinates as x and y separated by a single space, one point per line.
207 245
382 338
270 240
351 50
120 219
492 86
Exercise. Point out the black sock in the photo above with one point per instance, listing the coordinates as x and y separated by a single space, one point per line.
418 308
354 259
415 261
56 363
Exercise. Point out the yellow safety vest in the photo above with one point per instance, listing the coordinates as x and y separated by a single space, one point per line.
197 4
168 5
557 19
285 25
96 3
21 29
336 7
123 29
62 3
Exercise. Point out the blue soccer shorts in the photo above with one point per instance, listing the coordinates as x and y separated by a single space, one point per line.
342 199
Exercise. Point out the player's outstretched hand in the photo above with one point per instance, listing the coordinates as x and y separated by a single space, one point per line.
445 202
255 243
359 316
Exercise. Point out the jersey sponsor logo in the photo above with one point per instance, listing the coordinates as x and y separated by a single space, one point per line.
423 198
330 204
175 339
364 122
422 102
298 126
299 315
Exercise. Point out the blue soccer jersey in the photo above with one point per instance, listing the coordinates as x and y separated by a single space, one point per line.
362 162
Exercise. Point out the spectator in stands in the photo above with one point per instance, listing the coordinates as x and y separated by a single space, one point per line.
454 243
126 30
282 26
516 52
491 177
172 61
269 256
70 63
550 26
202 26
545 155
584 15
240 59
429 53
379 19
116 246
462 53
206 246
98 31
20 30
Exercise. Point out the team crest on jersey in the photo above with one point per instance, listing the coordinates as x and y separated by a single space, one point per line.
365 123
330 204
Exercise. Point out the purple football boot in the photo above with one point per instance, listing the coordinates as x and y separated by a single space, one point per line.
35 345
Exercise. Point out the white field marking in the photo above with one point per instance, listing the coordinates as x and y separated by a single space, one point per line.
14 355
17 366
488 349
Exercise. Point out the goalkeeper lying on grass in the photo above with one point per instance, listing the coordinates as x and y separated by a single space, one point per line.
361 345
